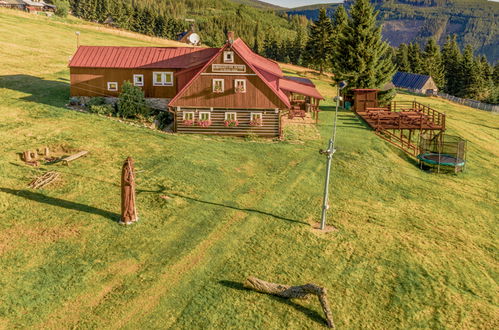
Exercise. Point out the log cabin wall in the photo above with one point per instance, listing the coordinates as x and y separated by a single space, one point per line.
258 95
270 122
93 82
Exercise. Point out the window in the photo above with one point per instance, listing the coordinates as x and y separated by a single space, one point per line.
240 85
162 79
256 119
228 57
138 80
218 85
256 116
188 116
230 116
112 86
205 116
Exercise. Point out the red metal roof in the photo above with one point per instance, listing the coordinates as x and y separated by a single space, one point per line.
296 87
141 57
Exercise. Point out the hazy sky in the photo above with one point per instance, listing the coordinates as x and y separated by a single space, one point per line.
298 3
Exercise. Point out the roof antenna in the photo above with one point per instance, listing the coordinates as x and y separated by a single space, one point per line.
230 37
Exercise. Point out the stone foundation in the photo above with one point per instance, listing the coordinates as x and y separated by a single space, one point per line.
156 103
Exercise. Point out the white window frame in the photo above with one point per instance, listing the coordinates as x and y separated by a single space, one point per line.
190 113
230 113
112 89
204 112
244 84
214 84
163 78
228 57
256 113
136 82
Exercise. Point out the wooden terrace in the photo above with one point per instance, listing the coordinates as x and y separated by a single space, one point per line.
403 115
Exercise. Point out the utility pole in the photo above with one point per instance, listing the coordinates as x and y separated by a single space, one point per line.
329 154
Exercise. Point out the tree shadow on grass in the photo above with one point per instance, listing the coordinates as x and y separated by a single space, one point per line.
163 190
313 315
50 92
40 198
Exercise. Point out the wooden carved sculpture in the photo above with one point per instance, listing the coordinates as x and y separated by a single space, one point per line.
128 207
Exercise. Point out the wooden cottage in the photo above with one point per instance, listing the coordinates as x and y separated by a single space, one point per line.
416 83
226 91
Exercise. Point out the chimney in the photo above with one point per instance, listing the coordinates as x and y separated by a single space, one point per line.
230 37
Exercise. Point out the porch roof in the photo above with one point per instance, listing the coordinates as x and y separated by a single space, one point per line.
296 87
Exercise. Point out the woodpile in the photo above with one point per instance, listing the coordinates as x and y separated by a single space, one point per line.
290 292
44 180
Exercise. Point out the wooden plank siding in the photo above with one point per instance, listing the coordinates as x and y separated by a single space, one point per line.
270 122
258 95
93 82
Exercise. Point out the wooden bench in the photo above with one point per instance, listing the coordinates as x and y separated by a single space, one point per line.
69 159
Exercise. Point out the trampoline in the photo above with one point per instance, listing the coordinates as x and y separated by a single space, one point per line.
442 150
440 159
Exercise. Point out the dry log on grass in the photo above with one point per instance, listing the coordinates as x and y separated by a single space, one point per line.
289 292
128 207
69 159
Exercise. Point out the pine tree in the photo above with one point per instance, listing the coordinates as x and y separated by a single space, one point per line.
319 46
451 56
432 63
363 59
402 58
256 35
339 24
471 77
296 51
415 58
496 74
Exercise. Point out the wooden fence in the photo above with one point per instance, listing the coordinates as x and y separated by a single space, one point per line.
470 103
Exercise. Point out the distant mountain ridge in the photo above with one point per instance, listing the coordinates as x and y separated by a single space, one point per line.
474 22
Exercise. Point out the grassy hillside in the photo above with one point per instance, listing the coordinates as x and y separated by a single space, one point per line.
412 249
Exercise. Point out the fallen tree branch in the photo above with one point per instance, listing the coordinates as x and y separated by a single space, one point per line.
289 292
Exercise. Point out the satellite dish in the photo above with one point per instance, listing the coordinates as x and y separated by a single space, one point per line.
194 38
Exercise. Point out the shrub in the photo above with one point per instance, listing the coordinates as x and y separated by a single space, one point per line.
164 119
132 103
95 101
62 7
386 97
105 109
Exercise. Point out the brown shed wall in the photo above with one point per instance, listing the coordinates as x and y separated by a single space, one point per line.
93 82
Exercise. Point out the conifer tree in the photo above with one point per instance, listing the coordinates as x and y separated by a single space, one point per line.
451 56
363 58
471 76
415 56
296 51
256 35
402 58
339 23
319 47
432 63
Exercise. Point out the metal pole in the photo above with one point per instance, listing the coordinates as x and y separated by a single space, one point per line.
336 112
325 206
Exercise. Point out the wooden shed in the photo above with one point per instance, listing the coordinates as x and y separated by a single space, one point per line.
416 83
365 98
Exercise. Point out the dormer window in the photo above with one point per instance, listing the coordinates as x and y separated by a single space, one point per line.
228 57
218 85
240 85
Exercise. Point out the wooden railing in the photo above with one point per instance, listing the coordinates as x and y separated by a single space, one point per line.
436 117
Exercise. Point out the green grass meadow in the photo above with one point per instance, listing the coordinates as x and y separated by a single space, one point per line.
412 250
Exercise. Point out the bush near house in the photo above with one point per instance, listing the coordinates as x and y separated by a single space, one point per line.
132 103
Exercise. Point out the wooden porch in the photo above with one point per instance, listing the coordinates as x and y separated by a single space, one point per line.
401 123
